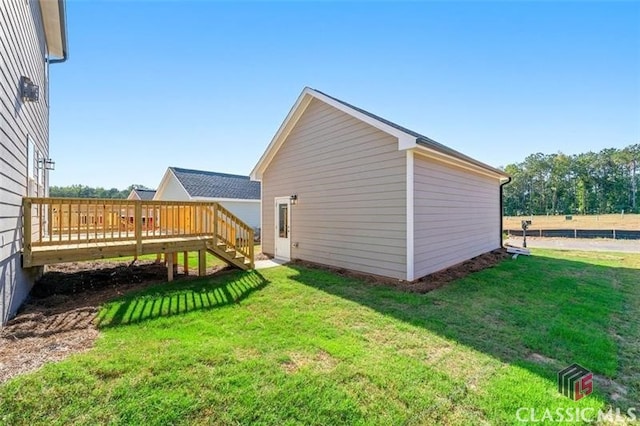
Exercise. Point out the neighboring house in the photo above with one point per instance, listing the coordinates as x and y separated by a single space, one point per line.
238 194
33 35
141 194
371 196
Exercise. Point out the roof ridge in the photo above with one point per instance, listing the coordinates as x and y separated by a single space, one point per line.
208 184
375 116
207 172
420 138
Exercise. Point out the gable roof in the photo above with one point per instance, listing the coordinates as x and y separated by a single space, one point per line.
407 139
203 184
145 194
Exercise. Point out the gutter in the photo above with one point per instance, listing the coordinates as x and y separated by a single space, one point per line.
508 181
63 28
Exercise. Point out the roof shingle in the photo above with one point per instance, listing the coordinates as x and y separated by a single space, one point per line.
199 183
145 194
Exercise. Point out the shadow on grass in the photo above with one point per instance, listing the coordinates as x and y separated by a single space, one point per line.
178 298
539 313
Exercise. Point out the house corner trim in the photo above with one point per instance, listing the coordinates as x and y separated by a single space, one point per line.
410 218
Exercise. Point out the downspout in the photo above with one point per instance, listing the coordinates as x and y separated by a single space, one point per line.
63 27
502 207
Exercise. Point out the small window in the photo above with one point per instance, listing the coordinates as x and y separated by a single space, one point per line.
283 220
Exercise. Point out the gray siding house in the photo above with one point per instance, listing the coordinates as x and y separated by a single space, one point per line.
236 193
346 188
32 36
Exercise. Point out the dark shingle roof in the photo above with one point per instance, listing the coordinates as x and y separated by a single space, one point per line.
145 194
420 139
200 183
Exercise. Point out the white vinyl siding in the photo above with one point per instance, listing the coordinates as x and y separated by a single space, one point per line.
456 215
350 180
22 49
247 211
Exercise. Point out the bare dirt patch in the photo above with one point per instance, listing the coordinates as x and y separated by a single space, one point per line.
320 361
59 318
541 359
261 256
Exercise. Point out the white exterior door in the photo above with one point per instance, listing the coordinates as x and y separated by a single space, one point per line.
283 228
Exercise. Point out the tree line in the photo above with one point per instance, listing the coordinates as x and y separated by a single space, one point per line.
82 191
589 183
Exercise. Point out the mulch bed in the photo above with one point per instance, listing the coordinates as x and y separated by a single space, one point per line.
429 282
461 270
59 318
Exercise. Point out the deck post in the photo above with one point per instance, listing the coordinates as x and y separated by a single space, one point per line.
138 225
185 262
50 220
202 262
215 225
252 248
27 229
175 262
158 257
169 258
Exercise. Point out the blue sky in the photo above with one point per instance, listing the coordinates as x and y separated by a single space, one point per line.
205 85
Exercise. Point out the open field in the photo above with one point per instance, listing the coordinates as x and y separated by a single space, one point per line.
629 222
301 345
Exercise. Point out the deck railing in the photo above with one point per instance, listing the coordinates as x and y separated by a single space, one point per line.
63 221
233 232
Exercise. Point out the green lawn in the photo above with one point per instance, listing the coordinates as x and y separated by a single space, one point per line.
293 345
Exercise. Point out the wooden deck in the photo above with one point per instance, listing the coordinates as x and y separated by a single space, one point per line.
58 230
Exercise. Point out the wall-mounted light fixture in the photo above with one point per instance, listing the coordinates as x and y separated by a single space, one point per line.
294 199
46 164
29 91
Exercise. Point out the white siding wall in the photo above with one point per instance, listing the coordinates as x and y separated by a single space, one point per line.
350 180
248 212
22 52
171 190
456 215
